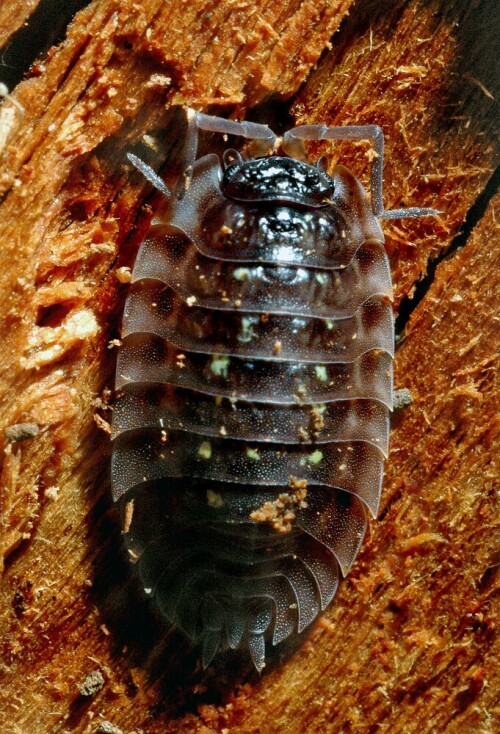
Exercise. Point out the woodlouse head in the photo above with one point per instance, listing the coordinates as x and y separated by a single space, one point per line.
277 179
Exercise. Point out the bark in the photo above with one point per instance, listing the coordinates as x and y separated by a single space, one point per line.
409 642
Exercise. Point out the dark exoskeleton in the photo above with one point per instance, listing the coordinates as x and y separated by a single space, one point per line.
254 385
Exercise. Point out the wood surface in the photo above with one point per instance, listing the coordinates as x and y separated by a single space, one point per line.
410 642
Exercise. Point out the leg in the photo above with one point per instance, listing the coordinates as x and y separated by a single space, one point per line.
358 132
198 121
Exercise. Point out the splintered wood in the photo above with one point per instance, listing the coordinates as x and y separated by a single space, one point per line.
409 644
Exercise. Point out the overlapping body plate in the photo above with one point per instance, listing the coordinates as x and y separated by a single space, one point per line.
254 385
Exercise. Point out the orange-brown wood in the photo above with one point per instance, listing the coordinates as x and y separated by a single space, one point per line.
409 643
12 15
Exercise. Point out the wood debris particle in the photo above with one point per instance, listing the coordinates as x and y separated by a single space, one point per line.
158 81
91 685
281 512
102 424
402 399
52 493
316 420
21 432
303 434
371 154
129 514
102 402
123 275
106 727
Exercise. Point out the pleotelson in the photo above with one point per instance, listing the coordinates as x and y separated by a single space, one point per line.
254 385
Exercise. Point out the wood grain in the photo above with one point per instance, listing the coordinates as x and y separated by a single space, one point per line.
13 15
409 643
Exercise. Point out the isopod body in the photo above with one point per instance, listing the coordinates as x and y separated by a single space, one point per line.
254 384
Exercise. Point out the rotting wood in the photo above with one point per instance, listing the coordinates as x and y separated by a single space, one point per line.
408 644
12 15
28 30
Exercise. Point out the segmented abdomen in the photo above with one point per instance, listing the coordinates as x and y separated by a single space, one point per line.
251 421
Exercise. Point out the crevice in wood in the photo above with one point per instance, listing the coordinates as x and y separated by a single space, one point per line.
474 216
46 27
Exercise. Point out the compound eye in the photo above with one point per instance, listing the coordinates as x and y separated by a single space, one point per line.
231 157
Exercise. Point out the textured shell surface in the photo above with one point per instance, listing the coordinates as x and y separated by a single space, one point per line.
254 384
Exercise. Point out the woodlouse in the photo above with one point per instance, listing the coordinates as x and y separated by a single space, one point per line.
254 385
